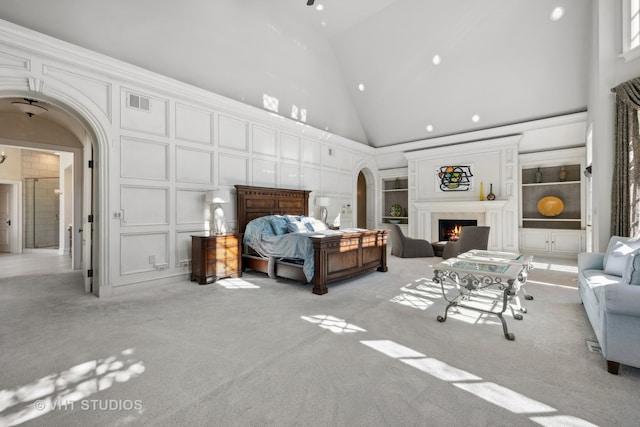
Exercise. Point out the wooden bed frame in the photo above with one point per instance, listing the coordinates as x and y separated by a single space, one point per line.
335 257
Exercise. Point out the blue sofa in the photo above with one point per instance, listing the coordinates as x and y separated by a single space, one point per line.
609 287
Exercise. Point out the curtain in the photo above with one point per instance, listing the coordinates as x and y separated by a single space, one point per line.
626 173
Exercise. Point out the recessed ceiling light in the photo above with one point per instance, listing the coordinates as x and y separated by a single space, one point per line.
429 128
475 118
557 13
319 7
323 24
361 87
436 59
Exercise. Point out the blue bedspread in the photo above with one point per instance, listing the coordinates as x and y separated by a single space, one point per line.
259 235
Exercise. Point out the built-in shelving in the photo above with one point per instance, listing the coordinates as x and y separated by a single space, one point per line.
395 190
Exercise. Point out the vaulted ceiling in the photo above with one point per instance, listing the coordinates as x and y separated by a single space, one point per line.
362 69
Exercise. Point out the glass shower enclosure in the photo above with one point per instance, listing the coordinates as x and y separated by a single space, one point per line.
41 213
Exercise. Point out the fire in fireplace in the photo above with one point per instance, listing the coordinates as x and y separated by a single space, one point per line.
449 229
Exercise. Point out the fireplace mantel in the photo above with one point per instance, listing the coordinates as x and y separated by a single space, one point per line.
489 213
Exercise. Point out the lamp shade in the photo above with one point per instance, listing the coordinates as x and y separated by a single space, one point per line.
218 196
323 201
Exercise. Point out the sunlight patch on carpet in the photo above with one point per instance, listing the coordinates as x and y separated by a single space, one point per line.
236 283
332 323
392 349
561 421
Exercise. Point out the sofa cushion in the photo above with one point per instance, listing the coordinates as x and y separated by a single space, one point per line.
632 269
597 281
618 250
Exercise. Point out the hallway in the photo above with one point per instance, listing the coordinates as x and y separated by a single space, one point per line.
27 264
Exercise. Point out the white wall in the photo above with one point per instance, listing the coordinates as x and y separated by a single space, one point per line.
154 167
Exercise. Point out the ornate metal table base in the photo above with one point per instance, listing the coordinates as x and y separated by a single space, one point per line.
504 278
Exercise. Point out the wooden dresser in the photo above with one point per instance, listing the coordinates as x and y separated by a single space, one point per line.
214 257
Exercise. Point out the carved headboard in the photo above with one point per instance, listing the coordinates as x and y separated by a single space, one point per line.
253 202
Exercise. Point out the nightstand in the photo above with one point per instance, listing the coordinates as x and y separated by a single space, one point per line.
215 256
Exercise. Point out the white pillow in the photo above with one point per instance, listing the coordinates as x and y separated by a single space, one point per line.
318 225
618 250
632 269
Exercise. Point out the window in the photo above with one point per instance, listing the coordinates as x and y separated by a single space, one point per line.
631 29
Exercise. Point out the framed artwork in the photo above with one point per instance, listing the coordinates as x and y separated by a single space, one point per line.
454 178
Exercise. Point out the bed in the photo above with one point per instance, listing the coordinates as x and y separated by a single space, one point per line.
336 256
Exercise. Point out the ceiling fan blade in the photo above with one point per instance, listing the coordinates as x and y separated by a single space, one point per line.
310 2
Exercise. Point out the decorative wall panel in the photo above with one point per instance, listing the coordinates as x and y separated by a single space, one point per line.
193 124
144 205
8 60
289 176
153 121
264 141
191 207
143 252
194 165
232 170
264 173
329 182
232 133
329 156
311 178
289 147
311 151
97 90
345 160
144 159
345 184
183 247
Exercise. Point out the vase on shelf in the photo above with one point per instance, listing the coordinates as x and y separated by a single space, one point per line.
563 174
491 196
538 176
481 190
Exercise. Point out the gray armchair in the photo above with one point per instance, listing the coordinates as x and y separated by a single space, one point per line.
470 238
406 247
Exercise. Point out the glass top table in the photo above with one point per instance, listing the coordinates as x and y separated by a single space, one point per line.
473 278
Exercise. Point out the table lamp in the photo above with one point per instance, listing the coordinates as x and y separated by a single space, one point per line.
217 198
323 202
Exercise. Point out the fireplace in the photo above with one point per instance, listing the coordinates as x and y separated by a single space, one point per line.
449 229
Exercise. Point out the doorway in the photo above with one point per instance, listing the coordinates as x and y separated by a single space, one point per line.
361 215
6 210
42 213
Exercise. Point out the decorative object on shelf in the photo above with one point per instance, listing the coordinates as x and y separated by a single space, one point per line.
481 190
454 178
563 174
394 221
491 196
323 202
396 210
538 176
550 206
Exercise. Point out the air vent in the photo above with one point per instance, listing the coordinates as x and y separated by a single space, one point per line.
139 102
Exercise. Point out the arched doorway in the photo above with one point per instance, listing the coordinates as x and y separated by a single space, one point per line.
67 129
361 216
365 198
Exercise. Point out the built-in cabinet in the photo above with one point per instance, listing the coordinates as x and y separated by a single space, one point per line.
395 197
555 177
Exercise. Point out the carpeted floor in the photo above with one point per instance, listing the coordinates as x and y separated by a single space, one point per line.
259 352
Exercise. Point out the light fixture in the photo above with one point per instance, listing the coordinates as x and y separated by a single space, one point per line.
217 198
429 128
3 157
436 59
361 87
557 13
475 118
29 107
323 202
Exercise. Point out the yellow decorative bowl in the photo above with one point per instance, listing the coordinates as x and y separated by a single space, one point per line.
550 206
